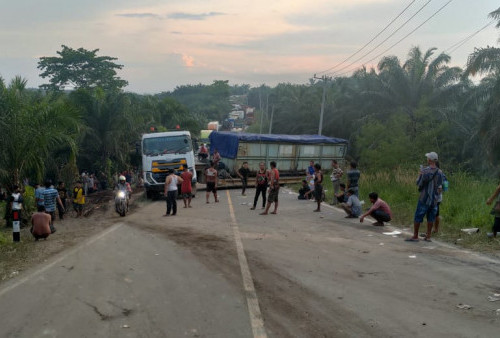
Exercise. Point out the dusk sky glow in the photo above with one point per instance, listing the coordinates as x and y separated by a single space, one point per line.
163 44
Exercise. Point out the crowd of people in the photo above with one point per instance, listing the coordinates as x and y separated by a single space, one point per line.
431 182
56 200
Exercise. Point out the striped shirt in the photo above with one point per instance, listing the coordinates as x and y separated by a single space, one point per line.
49 199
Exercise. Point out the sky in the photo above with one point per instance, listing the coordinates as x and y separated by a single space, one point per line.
163 44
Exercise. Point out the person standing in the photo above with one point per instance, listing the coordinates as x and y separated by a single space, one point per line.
40 224
171 192
274 189
243 173
429 181
310 171
261 179
50 200
15 206
39 194
186 188
318 186
353 175
78 199
63 195
211 177
495 211
380 210
335 178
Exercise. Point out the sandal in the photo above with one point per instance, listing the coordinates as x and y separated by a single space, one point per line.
411 239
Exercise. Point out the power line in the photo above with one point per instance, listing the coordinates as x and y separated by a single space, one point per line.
460 43
376 36
404 37
391 35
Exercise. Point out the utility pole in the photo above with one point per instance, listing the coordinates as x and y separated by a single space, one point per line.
324 78
271 122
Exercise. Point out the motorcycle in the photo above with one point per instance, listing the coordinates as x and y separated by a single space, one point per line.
121 202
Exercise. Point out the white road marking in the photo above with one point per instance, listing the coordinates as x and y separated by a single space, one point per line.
253 303
35 273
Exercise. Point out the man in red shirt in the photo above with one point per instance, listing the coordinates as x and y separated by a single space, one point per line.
186 187
380 210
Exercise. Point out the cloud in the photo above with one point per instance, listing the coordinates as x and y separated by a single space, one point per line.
188 60
195 17
140 15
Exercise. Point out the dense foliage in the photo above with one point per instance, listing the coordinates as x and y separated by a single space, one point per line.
391 115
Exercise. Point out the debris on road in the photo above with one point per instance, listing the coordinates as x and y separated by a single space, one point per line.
392 233
125 326
464 306
412 256
493 299
470 231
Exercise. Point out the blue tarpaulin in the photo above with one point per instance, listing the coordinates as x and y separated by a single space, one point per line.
227 142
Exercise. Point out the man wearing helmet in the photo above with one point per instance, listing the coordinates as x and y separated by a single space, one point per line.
125 186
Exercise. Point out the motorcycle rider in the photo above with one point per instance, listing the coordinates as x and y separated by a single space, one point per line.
123 185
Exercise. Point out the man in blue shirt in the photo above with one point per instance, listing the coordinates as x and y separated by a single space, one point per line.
39 194
50 198
429 183
353 205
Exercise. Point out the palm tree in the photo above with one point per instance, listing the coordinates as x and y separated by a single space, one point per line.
421 82
31 126
486 61
110 129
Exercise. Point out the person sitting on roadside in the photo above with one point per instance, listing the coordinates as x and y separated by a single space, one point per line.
203 152
40 222
353 206
305 191
380 210
341 196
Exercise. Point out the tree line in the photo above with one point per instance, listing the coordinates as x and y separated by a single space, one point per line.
83 119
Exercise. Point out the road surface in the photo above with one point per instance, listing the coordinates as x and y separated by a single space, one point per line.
222 270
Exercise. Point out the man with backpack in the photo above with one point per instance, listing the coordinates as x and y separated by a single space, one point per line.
429 183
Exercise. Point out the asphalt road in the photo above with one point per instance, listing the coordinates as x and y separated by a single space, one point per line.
297 274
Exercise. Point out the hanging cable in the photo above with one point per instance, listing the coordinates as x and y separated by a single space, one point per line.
366 44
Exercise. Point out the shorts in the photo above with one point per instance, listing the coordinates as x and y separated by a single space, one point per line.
273 195
424 210
77 206
211 187
496 225
186 195
437 212
318 192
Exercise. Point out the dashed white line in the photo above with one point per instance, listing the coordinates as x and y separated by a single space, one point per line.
256 320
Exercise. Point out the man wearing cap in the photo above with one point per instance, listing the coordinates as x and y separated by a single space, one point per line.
429 182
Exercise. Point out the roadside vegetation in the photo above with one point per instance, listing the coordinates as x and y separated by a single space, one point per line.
464 204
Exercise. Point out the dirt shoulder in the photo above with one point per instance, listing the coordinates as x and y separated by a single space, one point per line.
99 215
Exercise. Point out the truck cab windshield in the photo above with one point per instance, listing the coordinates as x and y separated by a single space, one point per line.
166 145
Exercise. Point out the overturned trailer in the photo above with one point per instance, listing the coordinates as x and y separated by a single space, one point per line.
292 153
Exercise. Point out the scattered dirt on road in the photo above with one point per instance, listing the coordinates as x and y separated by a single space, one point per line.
288 308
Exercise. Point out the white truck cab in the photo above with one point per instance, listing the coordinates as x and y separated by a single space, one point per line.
164 151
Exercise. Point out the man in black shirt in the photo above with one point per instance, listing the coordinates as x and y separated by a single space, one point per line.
243 173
